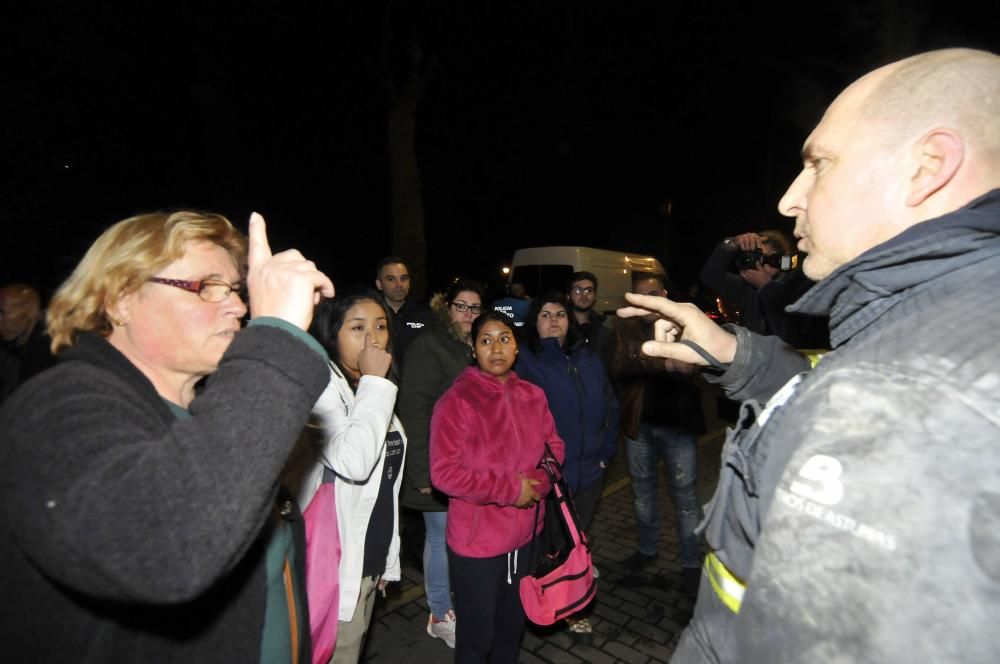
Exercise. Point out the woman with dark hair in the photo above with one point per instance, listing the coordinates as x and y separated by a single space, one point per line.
433 361
488 434
362 446
582 403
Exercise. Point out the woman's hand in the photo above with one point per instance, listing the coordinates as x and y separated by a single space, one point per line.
285 285
528 495
373 359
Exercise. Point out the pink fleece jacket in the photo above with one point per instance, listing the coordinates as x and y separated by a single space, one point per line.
483 433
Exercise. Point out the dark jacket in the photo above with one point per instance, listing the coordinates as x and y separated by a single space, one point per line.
595 333
408 323
717 275
763 310
19 362
130 535
433 361
582 402
860 504
647 390
800 331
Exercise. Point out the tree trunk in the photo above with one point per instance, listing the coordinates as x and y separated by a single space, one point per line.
406 204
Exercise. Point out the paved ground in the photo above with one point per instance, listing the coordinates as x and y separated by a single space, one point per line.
636 619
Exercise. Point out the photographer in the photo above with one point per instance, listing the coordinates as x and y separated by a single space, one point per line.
757 274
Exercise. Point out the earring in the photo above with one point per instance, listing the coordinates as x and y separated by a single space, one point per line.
115 321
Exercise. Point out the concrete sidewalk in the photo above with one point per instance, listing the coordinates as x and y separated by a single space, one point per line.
636 619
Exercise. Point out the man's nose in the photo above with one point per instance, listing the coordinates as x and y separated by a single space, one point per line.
793 200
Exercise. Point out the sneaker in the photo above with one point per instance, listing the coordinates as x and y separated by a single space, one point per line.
580 630
443 629
637 561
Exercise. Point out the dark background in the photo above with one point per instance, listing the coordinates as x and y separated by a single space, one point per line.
655 127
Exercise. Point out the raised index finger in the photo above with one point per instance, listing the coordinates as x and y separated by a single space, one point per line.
259 250
653 303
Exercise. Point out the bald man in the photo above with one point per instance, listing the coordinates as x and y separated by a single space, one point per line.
857 516
24 350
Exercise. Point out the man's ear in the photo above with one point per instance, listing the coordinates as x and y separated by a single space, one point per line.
378 284
938 155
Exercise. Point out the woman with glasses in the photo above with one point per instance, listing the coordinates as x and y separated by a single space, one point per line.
142 519
488 434
362 449
432 362
583 405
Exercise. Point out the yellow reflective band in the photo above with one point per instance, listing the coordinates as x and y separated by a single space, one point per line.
814 356
727 587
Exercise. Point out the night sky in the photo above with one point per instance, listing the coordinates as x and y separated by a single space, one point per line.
665 125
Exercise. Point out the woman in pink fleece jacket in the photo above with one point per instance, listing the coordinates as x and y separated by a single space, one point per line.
488 433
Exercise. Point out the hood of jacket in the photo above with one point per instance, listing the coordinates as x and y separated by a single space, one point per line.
442 317
862 290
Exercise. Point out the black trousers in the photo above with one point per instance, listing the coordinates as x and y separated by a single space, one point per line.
585 501
488 611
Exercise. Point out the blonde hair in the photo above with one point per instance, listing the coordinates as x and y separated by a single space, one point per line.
123 258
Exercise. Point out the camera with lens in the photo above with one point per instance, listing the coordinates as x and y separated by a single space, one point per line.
748 260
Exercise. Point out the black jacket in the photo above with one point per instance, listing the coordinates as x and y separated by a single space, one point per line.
437 357
763 310
130 535
408 323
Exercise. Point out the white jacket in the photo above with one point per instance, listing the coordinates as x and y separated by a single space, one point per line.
354 431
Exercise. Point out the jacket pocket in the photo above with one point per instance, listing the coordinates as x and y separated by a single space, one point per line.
733 508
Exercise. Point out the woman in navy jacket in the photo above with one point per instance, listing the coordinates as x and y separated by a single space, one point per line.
582 403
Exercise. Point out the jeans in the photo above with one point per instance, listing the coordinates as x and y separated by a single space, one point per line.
437 587
677 448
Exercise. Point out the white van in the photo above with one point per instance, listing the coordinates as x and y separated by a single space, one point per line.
549 268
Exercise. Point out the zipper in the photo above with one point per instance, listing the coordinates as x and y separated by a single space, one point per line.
293 618
574 374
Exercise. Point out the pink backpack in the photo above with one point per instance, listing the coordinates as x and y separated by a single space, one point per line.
562 579
322 570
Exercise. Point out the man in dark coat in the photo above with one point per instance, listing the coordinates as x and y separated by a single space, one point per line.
409 318
586 323
855 518
661 417
25 349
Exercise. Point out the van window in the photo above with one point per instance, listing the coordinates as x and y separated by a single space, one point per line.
540 278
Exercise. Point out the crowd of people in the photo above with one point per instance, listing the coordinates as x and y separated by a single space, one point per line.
165 459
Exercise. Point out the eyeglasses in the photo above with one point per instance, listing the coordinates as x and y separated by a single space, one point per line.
583 291
462 307
210 290
545 315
